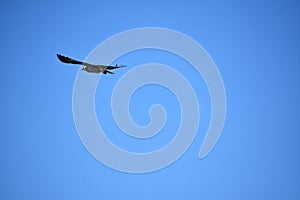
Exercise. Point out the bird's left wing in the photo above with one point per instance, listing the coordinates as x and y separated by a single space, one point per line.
65 59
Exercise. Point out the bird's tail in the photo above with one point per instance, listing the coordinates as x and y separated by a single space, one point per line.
109 72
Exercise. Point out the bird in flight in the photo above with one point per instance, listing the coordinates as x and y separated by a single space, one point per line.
89 67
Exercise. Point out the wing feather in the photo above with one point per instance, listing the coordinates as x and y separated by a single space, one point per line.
65 59
115 67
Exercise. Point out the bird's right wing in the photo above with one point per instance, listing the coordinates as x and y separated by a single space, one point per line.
65 59
115 67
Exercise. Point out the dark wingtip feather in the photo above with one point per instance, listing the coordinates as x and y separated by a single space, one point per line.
65 59
61 58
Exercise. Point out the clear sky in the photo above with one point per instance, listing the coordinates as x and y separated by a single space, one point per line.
255 45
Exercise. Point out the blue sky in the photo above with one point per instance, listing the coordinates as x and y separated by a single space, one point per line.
255 45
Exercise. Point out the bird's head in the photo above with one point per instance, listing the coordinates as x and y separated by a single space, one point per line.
83 67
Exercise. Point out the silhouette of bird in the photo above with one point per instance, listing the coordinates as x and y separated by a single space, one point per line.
91 68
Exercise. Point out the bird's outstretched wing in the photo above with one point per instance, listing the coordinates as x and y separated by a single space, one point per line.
115 67
65 59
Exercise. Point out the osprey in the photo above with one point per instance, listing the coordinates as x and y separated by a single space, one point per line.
89 67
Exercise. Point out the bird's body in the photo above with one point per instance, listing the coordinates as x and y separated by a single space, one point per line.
91 68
